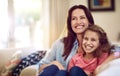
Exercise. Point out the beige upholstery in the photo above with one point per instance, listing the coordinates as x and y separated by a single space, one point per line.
30 71
111 69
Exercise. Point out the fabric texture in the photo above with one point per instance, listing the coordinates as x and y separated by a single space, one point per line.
31 59
30 71
117 54
13 62
61 73
76 71
87 65
55 53
49 71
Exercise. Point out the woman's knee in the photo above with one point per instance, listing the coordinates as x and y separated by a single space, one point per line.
49 71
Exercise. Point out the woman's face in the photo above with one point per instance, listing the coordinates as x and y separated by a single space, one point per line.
90 41
79 21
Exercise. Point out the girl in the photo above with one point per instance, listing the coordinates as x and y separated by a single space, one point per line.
96 50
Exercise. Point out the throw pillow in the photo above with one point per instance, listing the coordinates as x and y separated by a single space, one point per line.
31 59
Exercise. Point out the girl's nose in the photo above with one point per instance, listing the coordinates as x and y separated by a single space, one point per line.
88 42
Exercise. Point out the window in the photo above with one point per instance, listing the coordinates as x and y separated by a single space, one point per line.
22 24
27 15
4 24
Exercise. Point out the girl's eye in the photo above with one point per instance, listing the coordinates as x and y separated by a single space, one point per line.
85 38
93 39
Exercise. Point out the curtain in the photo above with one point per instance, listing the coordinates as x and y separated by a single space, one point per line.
57 17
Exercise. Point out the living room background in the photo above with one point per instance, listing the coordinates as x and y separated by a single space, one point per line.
38 23
31 23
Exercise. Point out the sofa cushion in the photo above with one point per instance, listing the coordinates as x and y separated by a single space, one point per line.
12 63
31 59
30 71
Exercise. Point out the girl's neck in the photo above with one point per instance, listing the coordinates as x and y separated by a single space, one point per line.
88 56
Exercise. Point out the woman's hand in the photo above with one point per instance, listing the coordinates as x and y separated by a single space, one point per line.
89 73
59 65
101 68
105 64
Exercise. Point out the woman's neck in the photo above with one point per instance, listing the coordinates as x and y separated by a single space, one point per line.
79 37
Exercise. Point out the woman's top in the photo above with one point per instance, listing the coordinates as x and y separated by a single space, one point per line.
87 65
55 54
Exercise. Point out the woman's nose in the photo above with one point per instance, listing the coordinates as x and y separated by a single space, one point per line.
78 21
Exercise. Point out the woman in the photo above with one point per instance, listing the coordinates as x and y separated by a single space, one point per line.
79 18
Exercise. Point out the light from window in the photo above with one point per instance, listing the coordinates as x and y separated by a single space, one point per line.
4 24
27 13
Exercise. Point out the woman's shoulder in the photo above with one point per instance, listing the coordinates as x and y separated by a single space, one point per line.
58 44
58 41
116 48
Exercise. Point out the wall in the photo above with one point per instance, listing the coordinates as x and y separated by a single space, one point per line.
110 21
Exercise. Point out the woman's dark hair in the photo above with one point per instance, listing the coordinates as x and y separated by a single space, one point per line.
105 46
71 36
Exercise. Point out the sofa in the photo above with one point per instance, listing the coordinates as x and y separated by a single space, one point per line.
110 69
13 58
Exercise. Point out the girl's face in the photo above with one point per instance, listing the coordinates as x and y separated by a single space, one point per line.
79 21
90 41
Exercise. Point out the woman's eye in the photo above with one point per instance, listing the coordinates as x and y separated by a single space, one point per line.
82 17
73 18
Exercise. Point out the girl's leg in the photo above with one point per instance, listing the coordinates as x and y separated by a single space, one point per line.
76 71
61 73
49 71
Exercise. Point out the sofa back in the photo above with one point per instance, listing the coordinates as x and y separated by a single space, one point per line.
6 54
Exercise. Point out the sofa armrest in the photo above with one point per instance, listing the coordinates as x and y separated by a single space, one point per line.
110 69
30 71
7 53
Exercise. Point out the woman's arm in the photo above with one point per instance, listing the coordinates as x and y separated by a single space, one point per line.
105 64
51 55
59 65
113 56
